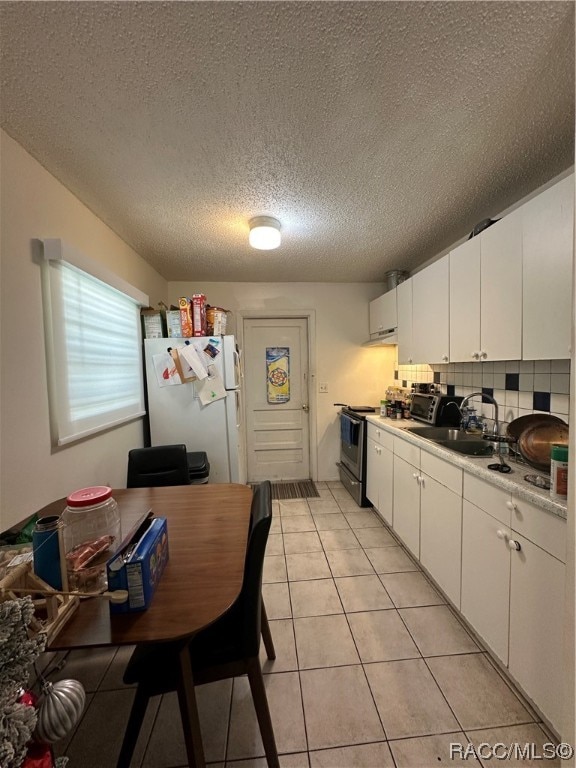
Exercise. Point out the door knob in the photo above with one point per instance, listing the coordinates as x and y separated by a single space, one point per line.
514 545
305 407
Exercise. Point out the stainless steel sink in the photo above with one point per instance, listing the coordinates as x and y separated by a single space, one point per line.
455 439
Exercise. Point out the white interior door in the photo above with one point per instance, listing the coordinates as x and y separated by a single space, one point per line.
276 398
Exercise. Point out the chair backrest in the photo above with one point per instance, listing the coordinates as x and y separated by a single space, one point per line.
250 599
159 465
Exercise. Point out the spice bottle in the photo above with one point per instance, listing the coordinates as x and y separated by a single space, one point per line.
559 472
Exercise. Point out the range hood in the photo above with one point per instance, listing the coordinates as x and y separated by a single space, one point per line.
383 338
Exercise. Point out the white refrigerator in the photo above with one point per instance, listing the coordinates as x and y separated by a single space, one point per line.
176 414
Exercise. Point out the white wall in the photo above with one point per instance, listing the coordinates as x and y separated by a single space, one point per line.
32 473
355 374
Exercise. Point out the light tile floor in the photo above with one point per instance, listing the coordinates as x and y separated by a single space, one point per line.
373 668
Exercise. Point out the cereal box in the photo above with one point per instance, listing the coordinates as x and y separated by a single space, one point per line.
186 316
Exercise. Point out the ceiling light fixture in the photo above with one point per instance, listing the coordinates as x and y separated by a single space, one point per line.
264 233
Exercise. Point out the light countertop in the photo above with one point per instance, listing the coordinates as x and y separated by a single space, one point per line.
478 465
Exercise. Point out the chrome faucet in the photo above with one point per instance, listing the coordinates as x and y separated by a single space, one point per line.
495 429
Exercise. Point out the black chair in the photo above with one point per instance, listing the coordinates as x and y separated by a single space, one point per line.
157 466
227 648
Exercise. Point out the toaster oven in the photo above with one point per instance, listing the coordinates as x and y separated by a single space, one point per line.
439 410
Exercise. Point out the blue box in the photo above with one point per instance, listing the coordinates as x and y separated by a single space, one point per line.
138 566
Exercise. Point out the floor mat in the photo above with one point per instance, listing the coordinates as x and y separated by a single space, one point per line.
297 489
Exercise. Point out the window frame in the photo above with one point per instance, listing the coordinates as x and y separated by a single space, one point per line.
58 254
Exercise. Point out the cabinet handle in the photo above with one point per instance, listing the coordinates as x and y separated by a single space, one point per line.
514 545
483 355
444 358
476 355
415 475
421 481
501 534
511 505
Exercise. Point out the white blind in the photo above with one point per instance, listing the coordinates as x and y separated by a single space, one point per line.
94 354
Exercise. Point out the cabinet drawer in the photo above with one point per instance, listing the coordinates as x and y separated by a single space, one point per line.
381 436
489 498
407 451
542 528
446 474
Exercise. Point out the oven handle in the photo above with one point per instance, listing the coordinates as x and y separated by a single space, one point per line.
349 416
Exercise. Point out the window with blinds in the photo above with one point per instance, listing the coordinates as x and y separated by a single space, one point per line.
93 347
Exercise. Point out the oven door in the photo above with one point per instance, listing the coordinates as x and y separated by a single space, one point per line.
352 442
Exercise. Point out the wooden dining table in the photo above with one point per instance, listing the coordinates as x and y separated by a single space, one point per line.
207 538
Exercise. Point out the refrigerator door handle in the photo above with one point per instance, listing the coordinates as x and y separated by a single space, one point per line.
238 413
237 366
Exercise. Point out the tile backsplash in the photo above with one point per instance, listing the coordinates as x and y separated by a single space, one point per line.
518 386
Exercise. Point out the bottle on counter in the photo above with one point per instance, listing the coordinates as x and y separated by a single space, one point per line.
91 532
559 472
383 407
46 550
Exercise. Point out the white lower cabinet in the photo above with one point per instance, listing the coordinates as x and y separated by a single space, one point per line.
407 494
513 582
537 626
500 559
486 577
379 471
441 524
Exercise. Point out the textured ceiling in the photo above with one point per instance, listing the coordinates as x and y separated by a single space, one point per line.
378 133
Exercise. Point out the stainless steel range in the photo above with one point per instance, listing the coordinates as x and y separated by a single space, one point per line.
352 464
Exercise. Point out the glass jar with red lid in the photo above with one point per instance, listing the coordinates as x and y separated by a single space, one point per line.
91 533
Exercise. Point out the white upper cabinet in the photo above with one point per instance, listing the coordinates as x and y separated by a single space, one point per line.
430 313
501 289
506 294
465 302
486 294
383 315
547 229
404 299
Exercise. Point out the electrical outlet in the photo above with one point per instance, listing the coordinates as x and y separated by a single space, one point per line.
323 388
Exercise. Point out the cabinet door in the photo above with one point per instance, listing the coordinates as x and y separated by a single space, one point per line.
385 491
430 317
372 471
407 504
537 627
379 479
404 299
465 302
548 245
485 600
383 315
501 289
441 535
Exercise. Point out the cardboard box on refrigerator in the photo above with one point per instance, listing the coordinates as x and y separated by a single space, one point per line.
138 565
154 322
185 306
